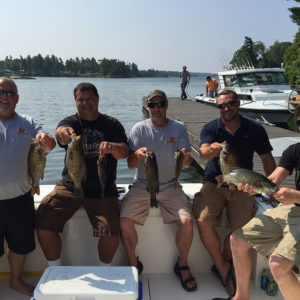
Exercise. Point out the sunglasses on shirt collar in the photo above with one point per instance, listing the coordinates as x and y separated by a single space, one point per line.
227 104
157 104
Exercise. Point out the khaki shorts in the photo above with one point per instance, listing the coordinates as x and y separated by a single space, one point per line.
275 231
59 206
174 204
209 203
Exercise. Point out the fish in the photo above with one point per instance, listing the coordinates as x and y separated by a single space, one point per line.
179 156
102 163
75 162
36 165
152 181
260 183
228 159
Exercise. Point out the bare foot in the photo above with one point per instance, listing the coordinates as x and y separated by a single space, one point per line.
21 286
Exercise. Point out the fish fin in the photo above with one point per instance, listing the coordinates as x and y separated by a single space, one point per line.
232 187
220 181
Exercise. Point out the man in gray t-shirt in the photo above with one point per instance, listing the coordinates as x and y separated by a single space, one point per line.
185 77
16 202
164 137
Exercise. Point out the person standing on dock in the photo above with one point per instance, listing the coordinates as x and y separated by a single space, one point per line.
103 136
275 233
211 87
164 137
245 136
185 78
16 201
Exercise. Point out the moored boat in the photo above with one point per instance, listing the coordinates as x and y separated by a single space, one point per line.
264 93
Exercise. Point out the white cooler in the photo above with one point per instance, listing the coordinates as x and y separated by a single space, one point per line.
87 283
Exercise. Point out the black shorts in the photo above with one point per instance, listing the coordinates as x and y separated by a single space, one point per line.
17 224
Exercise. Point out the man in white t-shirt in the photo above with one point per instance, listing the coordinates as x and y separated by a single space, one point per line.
164 137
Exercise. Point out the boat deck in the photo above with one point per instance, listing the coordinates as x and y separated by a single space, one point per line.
162 286
156 249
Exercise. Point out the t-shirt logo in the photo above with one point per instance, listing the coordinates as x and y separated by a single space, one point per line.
172 140
92 138
22 131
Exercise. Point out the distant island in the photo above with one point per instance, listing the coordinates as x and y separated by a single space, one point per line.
52 66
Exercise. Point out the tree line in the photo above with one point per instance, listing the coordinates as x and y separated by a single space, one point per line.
280 54
83 67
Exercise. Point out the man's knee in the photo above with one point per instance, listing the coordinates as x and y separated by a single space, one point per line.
238 243
186 225
126 224
280 266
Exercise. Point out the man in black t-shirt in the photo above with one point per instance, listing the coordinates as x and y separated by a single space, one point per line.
102 135
275 233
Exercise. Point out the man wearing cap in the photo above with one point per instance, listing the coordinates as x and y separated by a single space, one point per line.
275 233
185 77
211 87
164 137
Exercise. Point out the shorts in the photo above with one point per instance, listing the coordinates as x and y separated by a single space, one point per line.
59 206
275 231
174 204
209 203
17 224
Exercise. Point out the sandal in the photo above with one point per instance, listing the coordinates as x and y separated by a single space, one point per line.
177 271
229 277
140 266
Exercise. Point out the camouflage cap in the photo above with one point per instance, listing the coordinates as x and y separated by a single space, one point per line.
297 110
157 93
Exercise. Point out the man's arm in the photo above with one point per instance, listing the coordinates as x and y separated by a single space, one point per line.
117 150
268 163
136 157
210 151
64 135
47 142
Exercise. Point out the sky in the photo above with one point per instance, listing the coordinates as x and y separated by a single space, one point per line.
158 34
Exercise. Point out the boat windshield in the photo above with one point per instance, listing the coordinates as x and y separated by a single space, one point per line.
257 78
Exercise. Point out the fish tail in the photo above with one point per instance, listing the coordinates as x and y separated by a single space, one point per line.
35 190
153 200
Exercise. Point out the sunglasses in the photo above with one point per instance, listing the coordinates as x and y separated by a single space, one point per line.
157 104
298 122
228 104
7 93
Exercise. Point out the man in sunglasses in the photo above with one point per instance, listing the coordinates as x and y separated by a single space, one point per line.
245 136
16 201
275 233
164 137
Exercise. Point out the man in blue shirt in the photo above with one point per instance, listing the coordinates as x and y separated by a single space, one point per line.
245 136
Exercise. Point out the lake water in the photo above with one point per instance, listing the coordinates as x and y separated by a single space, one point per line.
49 100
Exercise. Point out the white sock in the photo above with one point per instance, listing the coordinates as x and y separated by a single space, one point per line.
53 263
103 264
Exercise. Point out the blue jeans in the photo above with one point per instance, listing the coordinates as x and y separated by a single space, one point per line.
183 86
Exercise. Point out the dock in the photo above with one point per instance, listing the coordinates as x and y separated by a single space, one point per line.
195 115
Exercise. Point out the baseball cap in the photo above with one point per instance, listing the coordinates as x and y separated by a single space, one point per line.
157 93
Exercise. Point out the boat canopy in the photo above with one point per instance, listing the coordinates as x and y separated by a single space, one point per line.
253 77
